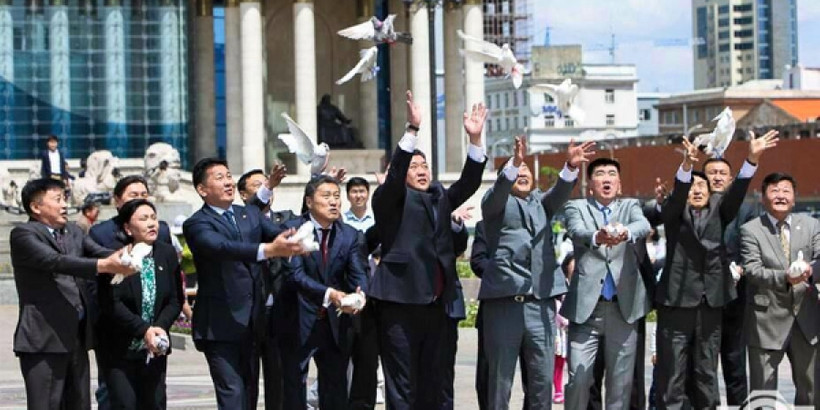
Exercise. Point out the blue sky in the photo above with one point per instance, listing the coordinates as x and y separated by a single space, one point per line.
638 24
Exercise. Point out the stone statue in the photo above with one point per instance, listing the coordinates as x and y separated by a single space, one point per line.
9 191
100 176
162 170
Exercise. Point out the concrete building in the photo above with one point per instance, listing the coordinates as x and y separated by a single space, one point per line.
801 78
510 21
648 113
742 40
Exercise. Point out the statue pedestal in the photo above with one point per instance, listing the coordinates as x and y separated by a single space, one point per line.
357 162
167 211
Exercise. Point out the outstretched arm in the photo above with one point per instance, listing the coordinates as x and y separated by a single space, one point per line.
470 178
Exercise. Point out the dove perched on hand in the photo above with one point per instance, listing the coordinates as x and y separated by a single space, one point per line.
366 66
735 270
799 266
356 301
377 31
299 143
718 140
490 53
564 96
133 259
305 236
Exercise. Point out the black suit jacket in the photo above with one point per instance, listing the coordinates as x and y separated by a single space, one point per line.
45 166
415 233
696 260
52 287
230 299
122 306
307 282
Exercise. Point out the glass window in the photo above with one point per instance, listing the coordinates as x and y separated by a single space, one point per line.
610 119
609 96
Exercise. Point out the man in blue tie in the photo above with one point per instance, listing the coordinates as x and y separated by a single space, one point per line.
606 295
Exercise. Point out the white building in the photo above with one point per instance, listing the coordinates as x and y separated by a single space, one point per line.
801 78
648 113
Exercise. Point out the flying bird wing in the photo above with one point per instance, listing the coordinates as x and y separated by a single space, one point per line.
361 31
366 62
476 44
298 142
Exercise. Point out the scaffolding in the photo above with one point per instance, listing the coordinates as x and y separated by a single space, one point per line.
509 21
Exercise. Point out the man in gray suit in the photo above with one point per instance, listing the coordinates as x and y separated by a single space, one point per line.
519 284
782 313
606 295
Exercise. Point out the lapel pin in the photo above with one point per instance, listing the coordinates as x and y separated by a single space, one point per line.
244 216
160 268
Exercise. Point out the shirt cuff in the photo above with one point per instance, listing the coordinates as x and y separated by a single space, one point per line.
456 227
264 194
747 170
408 142
326 300
476 153
684 176
260 253
510 170
568 175
595 239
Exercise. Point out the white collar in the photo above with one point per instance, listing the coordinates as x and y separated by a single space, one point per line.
219 210
774 220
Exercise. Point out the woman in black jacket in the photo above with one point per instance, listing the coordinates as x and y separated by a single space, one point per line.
137 313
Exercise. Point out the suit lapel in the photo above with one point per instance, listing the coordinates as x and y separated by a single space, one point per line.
596 214
427 200
49 237
316 258
771 234
241 216
227 229
335 246
797 239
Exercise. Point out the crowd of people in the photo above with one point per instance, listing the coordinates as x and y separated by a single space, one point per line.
269 303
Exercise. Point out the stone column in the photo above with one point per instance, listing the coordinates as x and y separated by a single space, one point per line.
368 97
420 74
474 71
115 87
453 90
233 88
399 78
253 90
203 90
7 139
60 71
170 71
304 57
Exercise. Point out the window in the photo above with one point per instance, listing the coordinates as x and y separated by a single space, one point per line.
723 47
489 127
723 22
695 116
610 119
740 7
645 115
743 20
515 98
569 122
549 121
506 100
498 124
723 9
507 123
744 33
489 102
516 122
497 104
723 35
609 96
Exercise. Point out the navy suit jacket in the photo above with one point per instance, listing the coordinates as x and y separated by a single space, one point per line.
230 299
307 282
45 166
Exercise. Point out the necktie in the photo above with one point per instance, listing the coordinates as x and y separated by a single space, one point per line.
609 289
58 237
231 221
325 238
783 229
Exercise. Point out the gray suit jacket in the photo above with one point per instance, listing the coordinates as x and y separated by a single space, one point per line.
519 240
773 304
583 220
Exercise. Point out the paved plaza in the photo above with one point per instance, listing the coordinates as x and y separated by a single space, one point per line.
189 385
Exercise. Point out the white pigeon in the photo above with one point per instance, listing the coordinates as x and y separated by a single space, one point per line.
563 95
718 140
377 31
302 145
352 300
305 236
735 270
490 53
366 66
614 229
133 259
799 266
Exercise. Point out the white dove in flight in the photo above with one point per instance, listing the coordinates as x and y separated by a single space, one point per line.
564 96
299 143
377 31
718 140
366 66
490 53
799 266
133 259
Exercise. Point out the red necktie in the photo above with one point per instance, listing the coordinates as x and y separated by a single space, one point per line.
325 237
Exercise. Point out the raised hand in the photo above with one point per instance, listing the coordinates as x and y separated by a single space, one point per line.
463 213
758 145
580 153
277 173
474 123
519 151
661 190
338 174
690 154
379 177
413 111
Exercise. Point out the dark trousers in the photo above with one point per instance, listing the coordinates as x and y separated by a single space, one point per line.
272 372
411 343
234 368
57 380
365 358
733 353
684 335
133 384
482 374
638 397
331 362
102 395
448 367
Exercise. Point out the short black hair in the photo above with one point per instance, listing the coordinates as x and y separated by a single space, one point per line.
357 181
701 175
201 168
418 152
600 162
89 206
122 184
714 160
52 137
777 177
34 190
129 208
313 185
242 184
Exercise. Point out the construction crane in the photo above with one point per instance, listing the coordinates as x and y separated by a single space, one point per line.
613 46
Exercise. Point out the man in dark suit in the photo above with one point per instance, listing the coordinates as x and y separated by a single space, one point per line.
52 162
311 302
696 283
52 261
417 277
229 243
